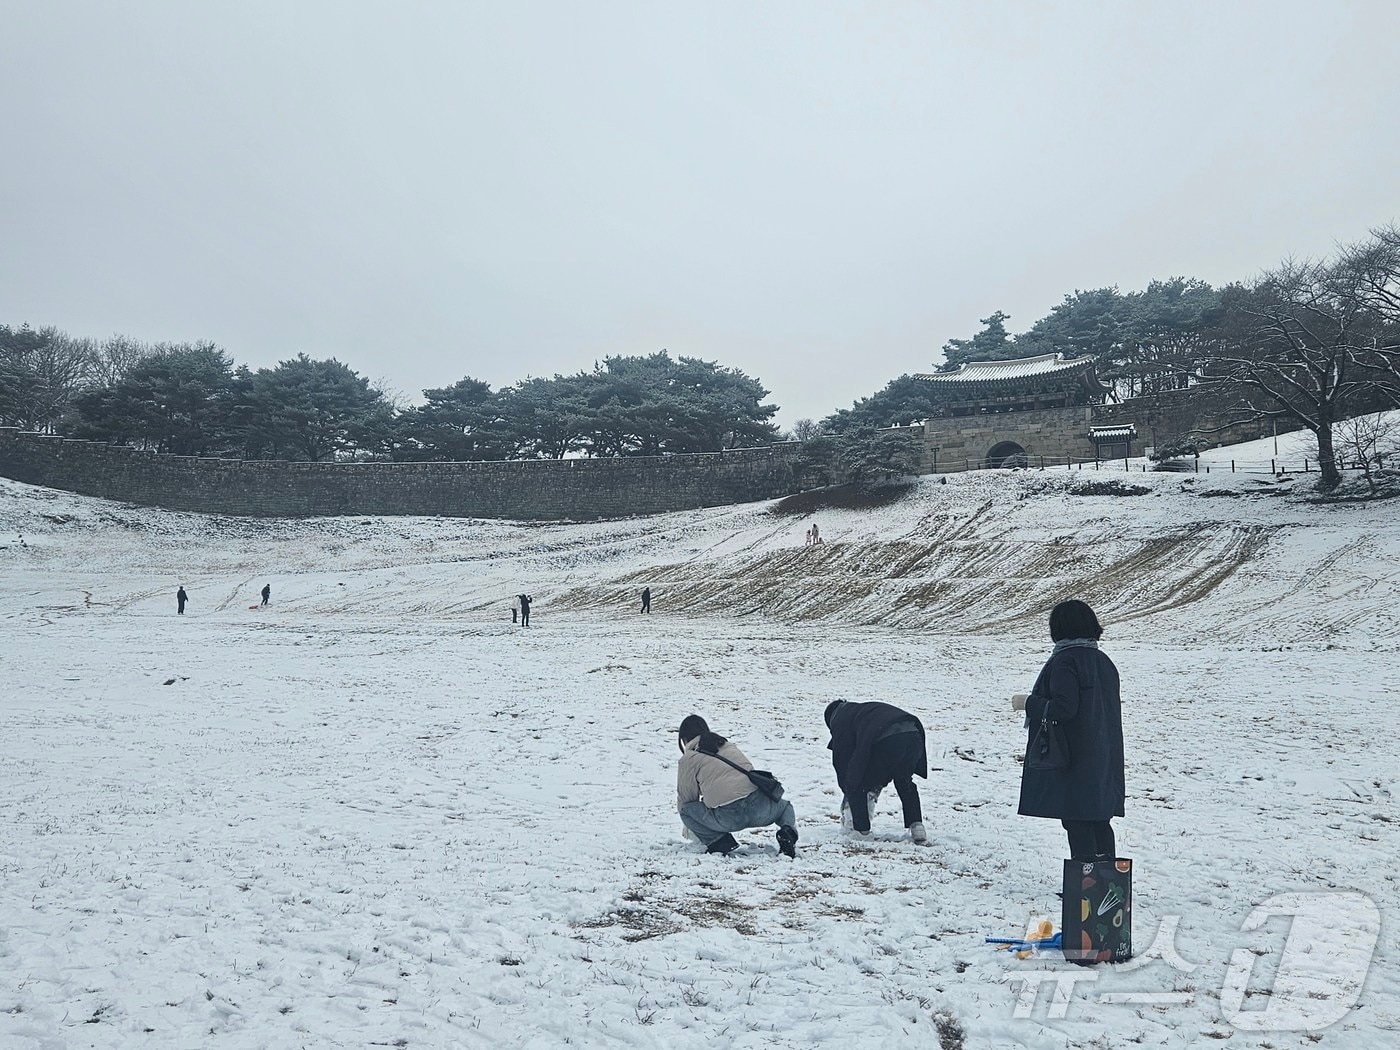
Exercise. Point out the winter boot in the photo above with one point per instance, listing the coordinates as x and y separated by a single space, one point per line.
918 834
725 844
787 840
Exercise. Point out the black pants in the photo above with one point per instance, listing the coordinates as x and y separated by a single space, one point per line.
893 759
1090 839
524 617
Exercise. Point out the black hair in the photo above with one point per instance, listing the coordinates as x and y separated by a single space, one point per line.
693 726
1074 619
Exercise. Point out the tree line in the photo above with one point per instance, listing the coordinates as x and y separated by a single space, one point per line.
190 399
1310 343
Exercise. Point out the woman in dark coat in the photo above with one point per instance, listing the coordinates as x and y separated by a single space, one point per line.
1078 687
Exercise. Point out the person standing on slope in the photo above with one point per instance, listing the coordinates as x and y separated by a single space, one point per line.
1078 688
871 745
180 598
646 600
715 796
266 593
524 610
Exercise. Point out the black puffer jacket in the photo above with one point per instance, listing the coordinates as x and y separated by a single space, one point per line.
1079 688
854 730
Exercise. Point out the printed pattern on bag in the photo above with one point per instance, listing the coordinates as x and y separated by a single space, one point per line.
1098 910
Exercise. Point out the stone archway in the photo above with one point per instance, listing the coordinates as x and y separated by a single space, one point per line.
1007 455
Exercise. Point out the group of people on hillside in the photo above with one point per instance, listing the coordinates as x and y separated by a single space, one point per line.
520 607
875 744
814 536
181 598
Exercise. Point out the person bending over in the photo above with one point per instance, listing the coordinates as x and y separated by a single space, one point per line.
871 745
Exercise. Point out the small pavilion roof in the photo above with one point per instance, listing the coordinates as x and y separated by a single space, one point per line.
1114 434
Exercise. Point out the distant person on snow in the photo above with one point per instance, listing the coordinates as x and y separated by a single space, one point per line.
1078 688
515 609
809 537
524 610
871 745
715 796
180 598
646 599
266 593
816 535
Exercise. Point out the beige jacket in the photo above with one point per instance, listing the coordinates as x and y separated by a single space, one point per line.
702 777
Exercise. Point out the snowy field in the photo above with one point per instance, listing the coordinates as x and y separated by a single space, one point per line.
376 814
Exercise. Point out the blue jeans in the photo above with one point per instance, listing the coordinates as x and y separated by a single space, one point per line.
754 810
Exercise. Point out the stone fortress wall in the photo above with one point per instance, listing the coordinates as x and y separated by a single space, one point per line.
1056 435
567 489
523 490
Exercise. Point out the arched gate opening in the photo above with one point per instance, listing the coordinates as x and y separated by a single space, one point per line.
1007 455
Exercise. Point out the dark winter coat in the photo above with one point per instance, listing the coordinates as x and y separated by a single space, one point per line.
854 730
1079 687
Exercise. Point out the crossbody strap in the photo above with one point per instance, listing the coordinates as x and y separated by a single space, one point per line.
731 765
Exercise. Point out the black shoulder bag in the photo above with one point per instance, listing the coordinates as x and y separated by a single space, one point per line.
759 778
1049 749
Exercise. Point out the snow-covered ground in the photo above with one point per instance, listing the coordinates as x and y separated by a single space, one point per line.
375 813
1290 451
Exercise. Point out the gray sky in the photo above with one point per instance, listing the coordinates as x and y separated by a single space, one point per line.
820 194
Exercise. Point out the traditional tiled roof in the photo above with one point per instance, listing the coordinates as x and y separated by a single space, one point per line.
1021 368
1102 434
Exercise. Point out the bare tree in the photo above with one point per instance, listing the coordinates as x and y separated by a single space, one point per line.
1310 342
1367 441
805 430
1375 269
60 367
115 357
40 374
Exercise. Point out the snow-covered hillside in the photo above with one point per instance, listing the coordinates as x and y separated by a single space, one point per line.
375 813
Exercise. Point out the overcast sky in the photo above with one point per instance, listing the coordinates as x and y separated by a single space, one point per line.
820 194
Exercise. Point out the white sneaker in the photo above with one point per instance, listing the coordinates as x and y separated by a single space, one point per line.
919 835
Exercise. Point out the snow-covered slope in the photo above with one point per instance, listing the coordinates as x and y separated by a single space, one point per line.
987 552
375 813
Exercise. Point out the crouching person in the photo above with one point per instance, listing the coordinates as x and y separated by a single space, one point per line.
716 797
871 745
